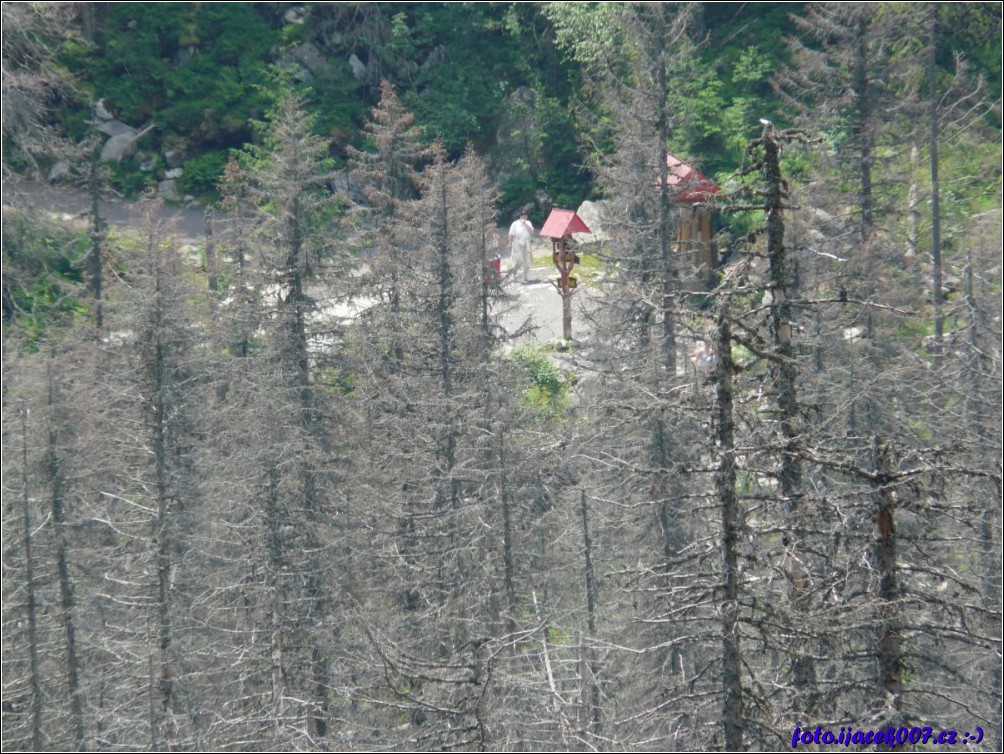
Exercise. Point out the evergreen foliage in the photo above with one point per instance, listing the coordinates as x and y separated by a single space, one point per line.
200 72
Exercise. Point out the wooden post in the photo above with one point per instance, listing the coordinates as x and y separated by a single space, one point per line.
707 248
564 260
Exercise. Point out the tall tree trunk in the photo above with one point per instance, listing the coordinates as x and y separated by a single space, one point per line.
666 241
66 592
298 268
913 211
35 683
448 484
508 561
863 107
936 269
97 233
277 605
212 276
990 525
595 725
665 491
163 532
890 663
725 482
445 283
785 380
485 295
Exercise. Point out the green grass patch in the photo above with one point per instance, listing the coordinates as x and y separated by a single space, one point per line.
561 637
547 391
43 276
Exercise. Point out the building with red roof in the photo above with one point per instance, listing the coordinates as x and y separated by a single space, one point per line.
691 189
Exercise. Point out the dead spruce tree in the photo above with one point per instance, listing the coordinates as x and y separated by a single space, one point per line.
388 177
125 460
647 430
843 492
275 434
439 425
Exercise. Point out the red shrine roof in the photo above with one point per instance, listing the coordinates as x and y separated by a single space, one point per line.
690 183
563 222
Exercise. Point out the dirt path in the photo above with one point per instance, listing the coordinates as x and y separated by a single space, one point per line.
74 204
538 300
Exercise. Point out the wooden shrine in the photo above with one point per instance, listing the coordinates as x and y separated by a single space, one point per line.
559 227
692 190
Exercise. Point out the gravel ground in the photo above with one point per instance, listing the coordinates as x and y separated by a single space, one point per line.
74 204
537 302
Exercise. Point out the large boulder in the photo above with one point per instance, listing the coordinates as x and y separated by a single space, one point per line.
295 15
113 127
358 67
174 158
122 144
306 61
592 215
119 146
310 57
437 56
343 183
168 190
59 171
543 202
100 111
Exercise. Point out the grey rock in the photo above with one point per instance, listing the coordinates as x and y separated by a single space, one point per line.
295 15
342 183
310 57
543 203
173 158
119 146
300 73
123 145
100 111
358 67
59 171
184 55
592 215
168 190
114 127
437 56
174 173
523 95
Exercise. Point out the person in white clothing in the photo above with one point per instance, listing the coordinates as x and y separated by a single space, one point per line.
519 243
